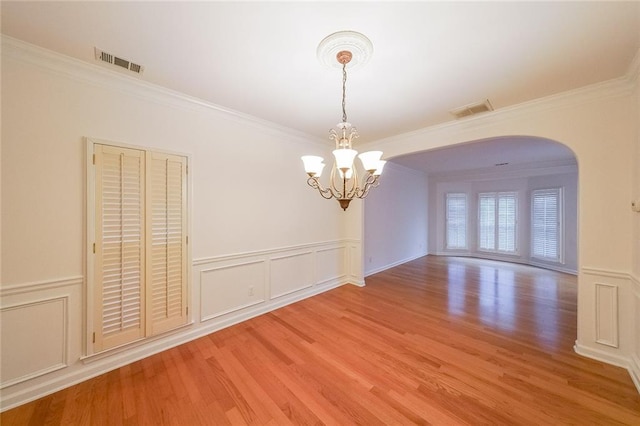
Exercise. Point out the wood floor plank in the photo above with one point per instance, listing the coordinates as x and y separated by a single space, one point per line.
438 340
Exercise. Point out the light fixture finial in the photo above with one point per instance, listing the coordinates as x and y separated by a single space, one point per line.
344 57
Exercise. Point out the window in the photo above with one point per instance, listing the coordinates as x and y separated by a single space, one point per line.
497 222
456 217
139 262
546 224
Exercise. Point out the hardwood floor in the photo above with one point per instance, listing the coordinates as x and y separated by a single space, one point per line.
435 341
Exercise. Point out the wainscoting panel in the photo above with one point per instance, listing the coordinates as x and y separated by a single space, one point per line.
607 314
226 290
331 264
34 339
609 332
291 273
230 288
635 358
356 271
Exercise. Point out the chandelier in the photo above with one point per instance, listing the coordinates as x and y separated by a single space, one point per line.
344 184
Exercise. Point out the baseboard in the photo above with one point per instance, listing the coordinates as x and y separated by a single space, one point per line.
634 370
516 260
632 364
90 367
393 265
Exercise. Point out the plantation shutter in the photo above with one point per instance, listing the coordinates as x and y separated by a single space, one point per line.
456 217
545 222
119 246
507 222
166 242
497 221
486 222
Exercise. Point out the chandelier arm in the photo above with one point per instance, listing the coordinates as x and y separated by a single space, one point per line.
326 193
370 182
332 183
354 189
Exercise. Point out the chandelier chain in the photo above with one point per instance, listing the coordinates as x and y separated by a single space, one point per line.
344 90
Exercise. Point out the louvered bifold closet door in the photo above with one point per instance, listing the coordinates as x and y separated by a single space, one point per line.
166 242
120 251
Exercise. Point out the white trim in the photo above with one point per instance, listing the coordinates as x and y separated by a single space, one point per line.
394 264
496 196
613 340
606 273
402 169
506 258
544 168
136 351
632 365
634 371
633 72
267 252
287 256
558 192
112 80
552 267
635 281
31 287
263 262
65 339
617 87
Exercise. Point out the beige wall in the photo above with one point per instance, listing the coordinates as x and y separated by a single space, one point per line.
260 237
237 170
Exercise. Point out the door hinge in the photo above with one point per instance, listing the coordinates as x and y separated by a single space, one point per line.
187 239
187 313
186 171
94 159
94 248
94 337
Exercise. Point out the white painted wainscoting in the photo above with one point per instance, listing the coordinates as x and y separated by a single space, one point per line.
635 357
236 287
608 334
43 323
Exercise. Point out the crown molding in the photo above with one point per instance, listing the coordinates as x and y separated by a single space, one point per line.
515 171
97 75
617 87
633 72
403 169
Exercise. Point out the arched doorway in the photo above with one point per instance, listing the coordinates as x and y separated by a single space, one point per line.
474 181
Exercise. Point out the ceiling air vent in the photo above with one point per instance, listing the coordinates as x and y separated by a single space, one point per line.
472 109
115 60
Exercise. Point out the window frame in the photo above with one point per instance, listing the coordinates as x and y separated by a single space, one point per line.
559 193
459 195
496 196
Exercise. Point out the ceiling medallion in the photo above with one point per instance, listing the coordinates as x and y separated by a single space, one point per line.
358 44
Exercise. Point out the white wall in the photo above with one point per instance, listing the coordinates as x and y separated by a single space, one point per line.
519 180
395 219
255 222
600 124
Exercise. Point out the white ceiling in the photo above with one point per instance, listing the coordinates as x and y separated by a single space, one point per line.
429 57
497 154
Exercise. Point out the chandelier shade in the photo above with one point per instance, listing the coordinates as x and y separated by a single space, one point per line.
313 165
344 158
344 184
